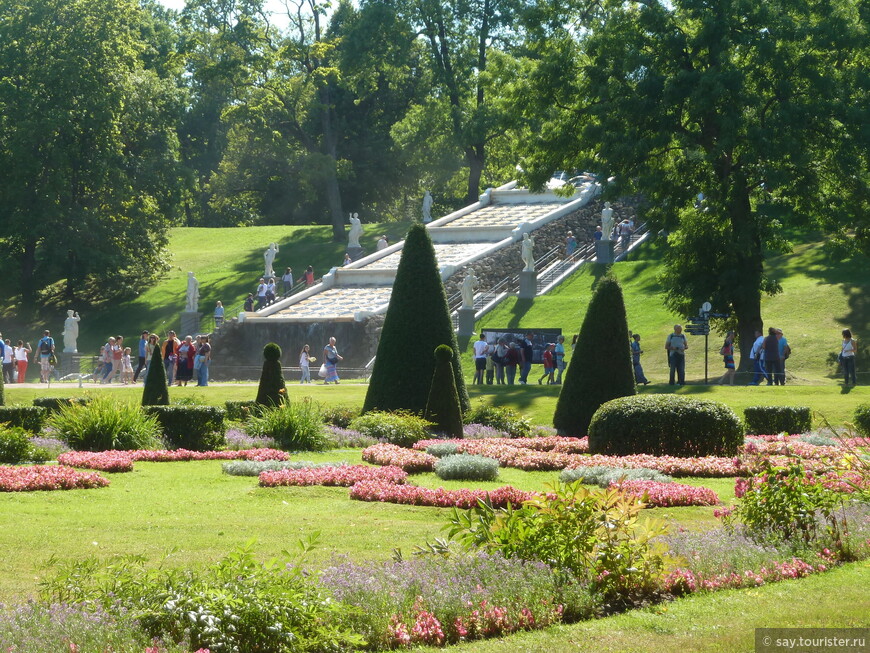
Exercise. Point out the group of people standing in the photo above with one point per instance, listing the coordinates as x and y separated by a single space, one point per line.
16 357
500 361
183 360
268 292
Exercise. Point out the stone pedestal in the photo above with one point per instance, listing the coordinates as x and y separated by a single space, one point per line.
528 284
190 323
604 251
356 253
68 363
466 321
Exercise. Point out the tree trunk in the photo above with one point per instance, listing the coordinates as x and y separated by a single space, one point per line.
336 212
749 265
475 157
28 274
333 192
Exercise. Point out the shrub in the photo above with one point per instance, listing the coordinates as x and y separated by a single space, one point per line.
103 424
30 418
15 446
255 467
54 404
197 428
418 306
240 411
603 476
819 440
442 449
155 392
339 416
443 408
862 419
399 428
665 425
340 438
467 467
766 420
272 390
294 425
501 418
597 372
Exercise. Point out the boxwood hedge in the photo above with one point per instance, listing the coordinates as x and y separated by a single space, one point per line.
767 420
31 418
198 428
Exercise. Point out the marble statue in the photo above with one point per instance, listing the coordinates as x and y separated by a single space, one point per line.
469 283
355 231
607 222
269 255
527 253
71 332
192 293
427 207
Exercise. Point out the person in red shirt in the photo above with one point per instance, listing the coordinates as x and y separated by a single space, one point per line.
549 364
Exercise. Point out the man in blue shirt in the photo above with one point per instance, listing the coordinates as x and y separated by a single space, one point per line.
45 350
143 351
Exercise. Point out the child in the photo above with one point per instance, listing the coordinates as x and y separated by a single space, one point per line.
549 364
304 362
127 367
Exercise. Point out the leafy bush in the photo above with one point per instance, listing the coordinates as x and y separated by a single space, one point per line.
399 428
240 411
340 416
467 467
603 476
155 391
103 424
340 438
15 446
443 408
502 418
294 425
767 420
197 428
237 604
441 449
665 425
272 390
594 535
862 419
54 404
254 467
30 418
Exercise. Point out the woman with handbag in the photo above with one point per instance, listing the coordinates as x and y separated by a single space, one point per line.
727 353
330 360
847 357
204 356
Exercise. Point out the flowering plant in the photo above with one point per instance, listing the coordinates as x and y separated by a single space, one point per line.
420 496
342 475
391 454
47 477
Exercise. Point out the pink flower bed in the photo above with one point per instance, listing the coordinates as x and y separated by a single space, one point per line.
845 481
408 459
707 466
685 581
342 475
122 461
440 498
666 495
487 446
46 478
796 448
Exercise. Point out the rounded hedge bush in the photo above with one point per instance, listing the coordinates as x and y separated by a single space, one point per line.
15 446
467 467
769 420
400 428
665 425
197 428
862 419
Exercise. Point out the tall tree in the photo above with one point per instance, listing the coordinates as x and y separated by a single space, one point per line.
750 104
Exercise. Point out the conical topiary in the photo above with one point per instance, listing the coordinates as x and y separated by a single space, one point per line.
417 321
600 368
155 392
272 390
443 408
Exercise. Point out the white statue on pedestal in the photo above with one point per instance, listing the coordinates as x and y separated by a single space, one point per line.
527 253
427 207
71 332
469 283
355 231
269 255
607 222
192 294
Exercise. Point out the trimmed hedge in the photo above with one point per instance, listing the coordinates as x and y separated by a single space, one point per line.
665 425
54 404
242 411
502 418
155 391
443 408
862 420
31 418
272 390
197 428
767 420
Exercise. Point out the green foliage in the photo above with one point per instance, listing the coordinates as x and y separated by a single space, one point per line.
104 424
418 310
240 411
862 419
294 425
272 390
467 467
196 428
770 420
2 391
15 446
441 449
443 408
400 428
603 476
237 604
54 404
155 392
254 467
339 416
503 418
579 531
30 418
597 372
665 425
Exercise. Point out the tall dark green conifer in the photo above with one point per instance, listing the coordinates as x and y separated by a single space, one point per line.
272 390
600 367
155 392
442 408
417 321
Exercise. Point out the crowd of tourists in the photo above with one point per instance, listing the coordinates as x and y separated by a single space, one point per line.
501 362
268 290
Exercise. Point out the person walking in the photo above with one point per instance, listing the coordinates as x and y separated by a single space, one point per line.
308 277
636 351
559 353
218 314
526 353
143 355
480 349
186 355
204 355
772 360
676 346
287 282
784 351
847 357
8 360
570 245
499 358
22 351
305 360
45 351
727 353
170 356
756 355
261 293
330 359
549 364
512 359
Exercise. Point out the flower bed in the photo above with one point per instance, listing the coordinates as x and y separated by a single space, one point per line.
440 498
390 454
842 481
685 581
46 478
707 466
666 495
343 476
484 446
104 461
122 461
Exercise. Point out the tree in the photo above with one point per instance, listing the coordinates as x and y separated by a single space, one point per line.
600 368
417 321
752 105
443 408
272 390
155 392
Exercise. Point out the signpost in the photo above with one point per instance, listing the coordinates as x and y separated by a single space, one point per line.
700 326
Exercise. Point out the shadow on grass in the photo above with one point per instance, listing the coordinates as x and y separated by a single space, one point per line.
517 396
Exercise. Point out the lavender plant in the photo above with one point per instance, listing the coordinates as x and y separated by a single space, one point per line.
603 476
254 467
